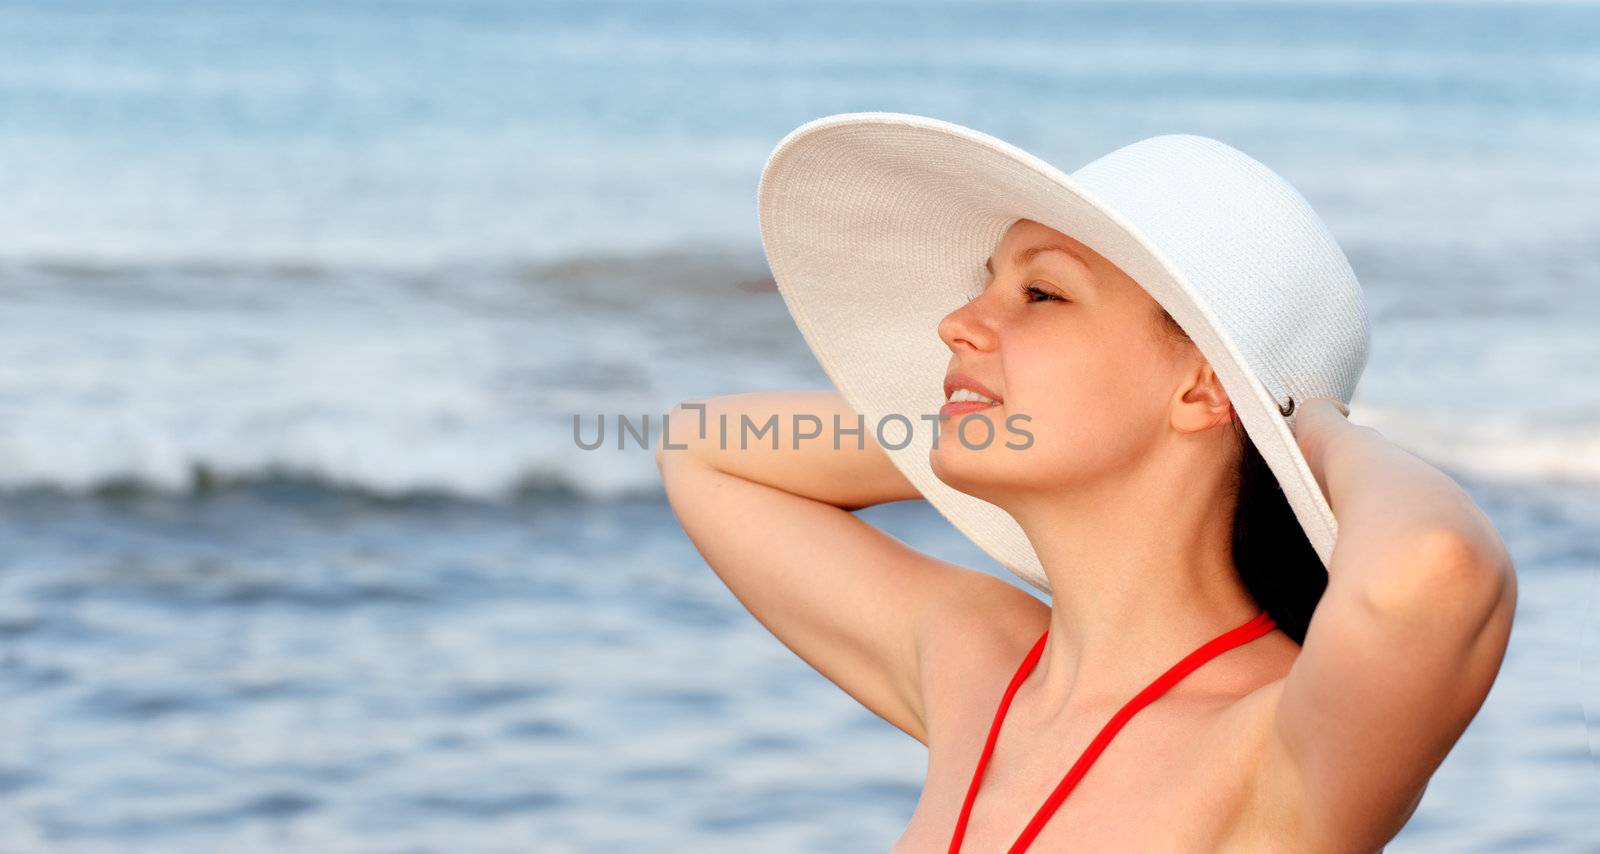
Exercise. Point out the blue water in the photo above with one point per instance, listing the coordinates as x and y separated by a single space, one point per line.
297 301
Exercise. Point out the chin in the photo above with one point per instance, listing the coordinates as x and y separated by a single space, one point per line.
963 469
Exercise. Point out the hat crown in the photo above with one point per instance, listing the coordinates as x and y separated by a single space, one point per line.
1267 267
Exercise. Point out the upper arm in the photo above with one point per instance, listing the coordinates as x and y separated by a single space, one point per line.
848 598
1388 678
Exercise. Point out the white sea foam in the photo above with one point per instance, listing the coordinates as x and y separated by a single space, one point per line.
466 381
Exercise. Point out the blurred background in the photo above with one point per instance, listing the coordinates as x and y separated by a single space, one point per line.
298 301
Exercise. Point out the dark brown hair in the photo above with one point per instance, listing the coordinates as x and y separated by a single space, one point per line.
1275 560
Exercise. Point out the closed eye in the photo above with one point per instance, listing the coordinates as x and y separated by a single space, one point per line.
1029 292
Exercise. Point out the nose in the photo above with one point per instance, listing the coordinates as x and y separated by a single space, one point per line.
971 325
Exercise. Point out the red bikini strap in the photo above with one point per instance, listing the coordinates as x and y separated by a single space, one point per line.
1251 630
1028 661
1259 625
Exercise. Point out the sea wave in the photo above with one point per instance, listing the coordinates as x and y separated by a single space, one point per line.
557 469
203 481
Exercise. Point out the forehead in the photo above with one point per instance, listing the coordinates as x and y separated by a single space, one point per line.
1026 233
1026 239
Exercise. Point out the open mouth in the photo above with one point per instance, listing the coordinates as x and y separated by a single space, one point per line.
965 400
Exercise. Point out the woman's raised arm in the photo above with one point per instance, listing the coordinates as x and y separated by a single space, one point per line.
841 468
1405 644
775 524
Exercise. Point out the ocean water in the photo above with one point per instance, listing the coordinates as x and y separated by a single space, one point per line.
298 301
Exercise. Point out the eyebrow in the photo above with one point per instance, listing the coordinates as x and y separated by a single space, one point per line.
1029 253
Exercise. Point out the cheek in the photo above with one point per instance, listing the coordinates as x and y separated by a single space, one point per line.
1090 398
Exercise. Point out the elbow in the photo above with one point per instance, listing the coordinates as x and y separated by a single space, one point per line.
1446 576
677 434
666 433
661 444
1479 574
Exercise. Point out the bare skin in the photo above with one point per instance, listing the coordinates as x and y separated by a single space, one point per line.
1270 746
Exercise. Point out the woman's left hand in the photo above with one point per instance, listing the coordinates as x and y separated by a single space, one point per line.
1319 420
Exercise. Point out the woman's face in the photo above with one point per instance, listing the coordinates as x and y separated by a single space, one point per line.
1069 341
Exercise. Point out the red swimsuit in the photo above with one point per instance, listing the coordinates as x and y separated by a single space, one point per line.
1256 627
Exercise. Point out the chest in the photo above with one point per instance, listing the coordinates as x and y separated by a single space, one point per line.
1173 778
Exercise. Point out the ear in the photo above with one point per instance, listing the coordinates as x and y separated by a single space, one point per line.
1200 402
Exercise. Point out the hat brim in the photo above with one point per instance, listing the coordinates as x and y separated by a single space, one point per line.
877 225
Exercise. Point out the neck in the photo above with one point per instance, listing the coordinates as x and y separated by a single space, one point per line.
1132 591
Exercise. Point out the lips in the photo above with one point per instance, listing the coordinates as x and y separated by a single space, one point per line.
957 380
964 407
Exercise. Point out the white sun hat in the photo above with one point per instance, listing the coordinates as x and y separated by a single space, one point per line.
876 225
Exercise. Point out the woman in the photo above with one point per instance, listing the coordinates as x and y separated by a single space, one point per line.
1219 667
